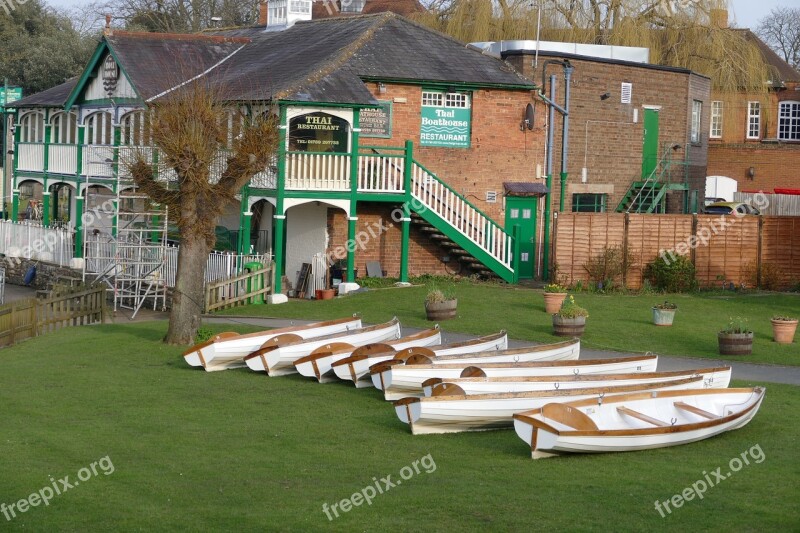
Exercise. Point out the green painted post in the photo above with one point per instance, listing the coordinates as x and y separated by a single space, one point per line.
279 218
547 215
45 206
15 204
408 169
15 189
79 162
352 219
563 191
115 175
79 226
247 217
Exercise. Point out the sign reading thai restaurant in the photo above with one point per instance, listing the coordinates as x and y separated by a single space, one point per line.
318 132
376 121
446 120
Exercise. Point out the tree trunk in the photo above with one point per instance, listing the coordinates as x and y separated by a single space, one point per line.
189 293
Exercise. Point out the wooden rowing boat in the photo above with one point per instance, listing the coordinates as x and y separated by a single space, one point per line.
636 421
318 363
399 381
717 378
228 349
279 360
356 367
480 412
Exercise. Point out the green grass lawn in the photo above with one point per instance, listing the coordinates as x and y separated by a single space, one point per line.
616 322
234 450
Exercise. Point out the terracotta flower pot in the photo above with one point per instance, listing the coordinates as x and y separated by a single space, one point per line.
663 317
735 343
441 310
553 301
327 294
568 327
783 331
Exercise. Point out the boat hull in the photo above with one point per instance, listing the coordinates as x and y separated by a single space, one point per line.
629 422
717 378
358 372
280 361
321 367
229 350
400 381
454 414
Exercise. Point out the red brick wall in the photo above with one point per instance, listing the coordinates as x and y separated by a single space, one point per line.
498 151
603 136
425 257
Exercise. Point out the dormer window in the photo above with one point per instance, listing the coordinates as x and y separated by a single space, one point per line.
352 6
287 12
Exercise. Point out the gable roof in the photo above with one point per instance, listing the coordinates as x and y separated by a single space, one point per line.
782 69
52 97
327 60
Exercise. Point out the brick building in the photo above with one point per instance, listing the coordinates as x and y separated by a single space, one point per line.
393 137
755 138
638 132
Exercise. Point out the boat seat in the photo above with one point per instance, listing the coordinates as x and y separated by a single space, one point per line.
641 416
696 410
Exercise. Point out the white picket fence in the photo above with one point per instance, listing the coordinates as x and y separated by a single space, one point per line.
32 241
101 252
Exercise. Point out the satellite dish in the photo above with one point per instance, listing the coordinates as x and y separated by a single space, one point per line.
530 115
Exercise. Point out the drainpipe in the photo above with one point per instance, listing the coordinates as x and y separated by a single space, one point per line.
565 132
549 182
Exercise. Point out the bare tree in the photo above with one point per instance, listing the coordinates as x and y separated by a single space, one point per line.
781 31
177 16
191 126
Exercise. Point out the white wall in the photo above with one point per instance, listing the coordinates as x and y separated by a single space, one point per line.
306 235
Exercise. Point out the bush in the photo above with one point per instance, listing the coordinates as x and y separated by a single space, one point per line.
609 266
671 275
771 276
203 334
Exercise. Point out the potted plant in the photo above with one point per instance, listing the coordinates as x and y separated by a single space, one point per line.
664 314
783 329
440 304
736 338
570 320
554 295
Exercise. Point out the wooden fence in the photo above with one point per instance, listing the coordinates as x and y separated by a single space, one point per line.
243 289
742 250
29 318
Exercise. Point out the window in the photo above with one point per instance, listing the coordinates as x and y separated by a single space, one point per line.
697 114
716 120
300 7
63 128
753 120
99 128
588 203
432 99
31 127
789 121
456 100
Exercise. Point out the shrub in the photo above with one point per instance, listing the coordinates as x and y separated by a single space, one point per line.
676 275
737 325
570 309
555 288
203 334
609 266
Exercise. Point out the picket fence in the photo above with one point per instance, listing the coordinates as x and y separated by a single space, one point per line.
29 240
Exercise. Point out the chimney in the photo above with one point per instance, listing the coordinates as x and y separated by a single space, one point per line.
262 13
719 18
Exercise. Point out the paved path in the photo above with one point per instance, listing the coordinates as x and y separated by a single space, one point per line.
750 372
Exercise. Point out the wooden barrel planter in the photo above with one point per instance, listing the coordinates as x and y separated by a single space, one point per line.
441 310
735 343
553 301
569 327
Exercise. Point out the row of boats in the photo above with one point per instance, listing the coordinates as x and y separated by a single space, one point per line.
556 402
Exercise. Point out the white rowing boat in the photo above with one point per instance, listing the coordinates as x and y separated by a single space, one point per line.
480 412
228 349
717 378
399 381
318 363
356 367
279 360
637 421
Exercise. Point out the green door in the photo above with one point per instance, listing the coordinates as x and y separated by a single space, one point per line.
650 143
522 212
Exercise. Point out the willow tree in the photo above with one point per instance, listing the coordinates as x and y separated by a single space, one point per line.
192 127
680 33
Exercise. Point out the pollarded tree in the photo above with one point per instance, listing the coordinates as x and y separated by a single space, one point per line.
192 127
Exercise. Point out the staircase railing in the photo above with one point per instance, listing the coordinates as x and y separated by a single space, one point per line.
431 193
662 167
